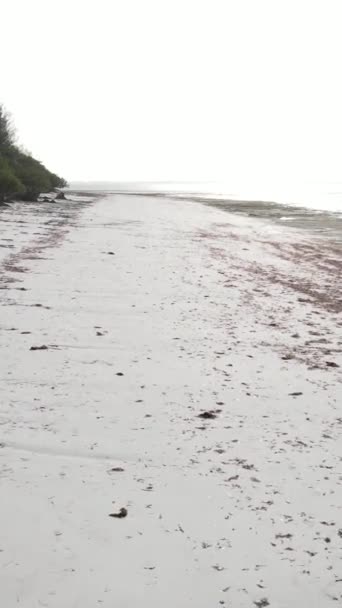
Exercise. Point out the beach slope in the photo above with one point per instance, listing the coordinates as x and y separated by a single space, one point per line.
170 408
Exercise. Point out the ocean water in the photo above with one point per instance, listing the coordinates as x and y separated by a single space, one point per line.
316 208
320 196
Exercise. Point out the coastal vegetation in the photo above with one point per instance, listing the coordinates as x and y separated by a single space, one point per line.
21 176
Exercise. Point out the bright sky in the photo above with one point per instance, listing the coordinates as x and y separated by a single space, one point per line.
176 89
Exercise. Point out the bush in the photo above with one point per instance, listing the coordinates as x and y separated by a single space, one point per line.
6 130
20 173
32 175
9 182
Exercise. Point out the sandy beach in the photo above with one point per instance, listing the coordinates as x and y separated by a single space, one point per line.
171 424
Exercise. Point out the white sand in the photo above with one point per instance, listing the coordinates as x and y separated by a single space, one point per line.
185 307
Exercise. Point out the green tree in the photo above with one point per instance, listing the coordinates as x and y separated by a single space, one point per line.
32 175
20 172
57 182
9 183
6 130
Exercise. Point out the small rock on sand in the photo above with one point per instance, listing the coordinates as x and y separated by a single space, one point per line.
121 514
43 347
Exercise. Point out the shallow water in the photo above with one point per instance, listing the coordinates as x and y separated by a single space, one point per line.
325 196
318 222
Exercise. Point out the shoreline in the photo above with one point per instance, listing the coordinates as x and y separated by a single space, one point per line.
320 221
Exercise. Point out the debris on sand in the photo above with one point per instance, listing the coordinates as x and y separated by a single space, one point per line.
117 470
120 374
43 347
242 462
40 306
206 545
295 394
331 364
110 253
233 478
288 536
262 603
209 414
121 514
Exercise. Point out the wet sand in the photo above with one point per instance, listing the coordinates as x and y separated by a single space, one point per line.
183 363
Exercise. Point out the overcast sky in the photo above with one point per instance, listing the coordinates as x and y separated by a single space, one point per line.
176 89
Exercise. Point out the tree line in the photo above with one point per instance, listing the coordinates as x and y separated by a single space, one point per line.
21 176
